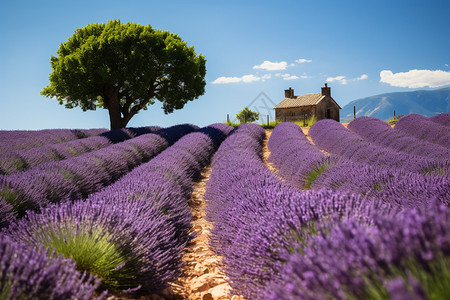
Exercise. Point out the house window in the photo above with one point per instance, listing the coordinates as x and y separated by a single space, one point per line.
328 113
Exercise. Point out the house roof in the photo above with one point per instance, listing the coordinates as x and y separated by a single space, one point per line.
301 100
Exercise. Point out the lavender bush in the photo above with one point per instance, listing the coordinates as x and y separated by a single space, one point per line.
304 166
6 213
422 128
351 261
380 133
131 234
259 219
443 119
19 140
29 273
19 160
333 137
79 176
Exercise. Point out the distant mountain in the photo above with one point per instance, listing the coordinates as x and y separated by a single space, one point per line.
427 103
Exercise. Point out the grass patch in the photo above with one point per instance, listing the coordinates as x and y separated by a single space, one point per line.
306 123
270 125
232 124
312 176
433 277
394 120
94 251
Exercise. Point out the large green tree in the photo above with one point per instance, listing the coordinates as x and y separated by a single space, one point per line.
125 68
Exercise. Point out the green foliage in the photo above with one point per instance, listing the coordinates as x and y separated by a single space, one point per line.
20 204
93 252
124 68
311 176
229 123
271 124
394 120
247 116
432 276
307 123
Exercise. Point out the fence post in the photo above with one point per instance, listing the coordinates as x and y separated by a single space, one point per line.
354 112
304 120
228 118
394 113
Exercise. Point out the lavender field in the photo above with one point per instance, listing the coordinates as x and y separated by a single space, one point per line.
361 212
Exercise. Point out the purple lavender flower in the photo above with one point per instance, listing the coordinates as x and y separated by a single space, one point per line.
409 290
333 137
303 165
29 273
443 119
262 219
80 176
132 234
6 212
380 133
352 259
422 128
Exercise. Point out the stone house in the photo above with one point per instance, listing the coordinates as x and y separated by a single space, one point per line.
298 108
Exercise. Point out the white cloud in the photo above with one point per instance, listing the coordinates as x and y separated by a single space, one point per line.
287 76
266 76
303 60
305 76
245 79
272 66
416 78
339 79
290 77
362 77
343 79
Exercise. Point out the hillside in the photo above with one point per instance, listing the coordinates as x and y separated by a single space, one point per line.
427 103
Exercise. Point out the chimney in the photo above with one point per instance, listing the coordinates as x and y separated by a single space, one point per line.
326 91
289 93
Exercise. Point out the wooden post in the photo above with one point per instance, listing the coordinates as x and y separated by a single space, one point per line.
304 120
228 118
267 120
394 113
354 112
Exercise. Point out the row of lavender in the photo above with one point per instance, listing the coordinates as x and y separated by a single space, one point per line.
79 176
304 166
334 138
130 235
26 139
283 243
15 160
400 138
434 129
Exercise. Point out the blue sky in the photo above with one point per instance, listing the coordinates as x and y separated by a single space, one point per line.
254 50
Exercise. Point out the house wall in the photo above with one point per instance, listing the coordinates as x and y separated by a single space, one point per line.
322 108
294 114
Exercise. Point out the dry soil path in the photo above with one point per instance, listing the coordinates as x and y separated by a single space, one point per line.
202 276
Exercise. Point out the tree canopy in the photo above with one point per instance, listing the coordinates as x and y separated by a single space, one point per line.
247 116
124 68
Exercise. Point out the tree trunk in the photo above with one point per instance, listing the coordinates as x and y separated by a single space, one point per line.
112 102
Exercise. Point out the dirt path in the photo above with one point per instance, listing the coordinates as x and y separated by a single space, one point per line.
202 277
266 153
